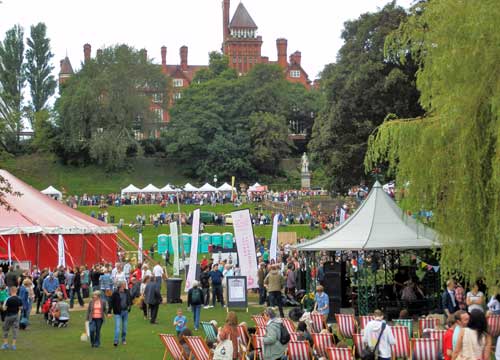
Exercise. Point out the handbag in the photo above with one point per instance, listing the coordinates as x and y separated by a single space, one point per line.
224 350
369 354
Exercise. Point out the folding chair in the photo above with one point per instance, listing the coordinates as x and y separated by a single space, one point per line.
357 340
209 330
321 342
259 320
339 353
402 348
318 322
346 325
363 320
243 335
430 323
172 347
290 326
198 347
424 349
405 322
258 346
260 330
437 334
493 325
299 350
294 336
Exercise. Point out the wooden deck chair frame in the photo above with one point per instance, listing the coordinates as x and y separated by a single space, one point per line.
338 318
242 330
414 341
168 350
194 354
318 343
347 353
357 341
209 337
315 323
258 352
301 343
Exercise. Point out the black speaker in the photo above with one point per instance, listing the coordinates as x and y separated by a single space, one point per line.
335 284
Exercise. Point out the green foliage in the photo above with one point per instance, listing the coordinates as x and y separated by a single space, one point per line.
102 104
45 132
218 67
451 159
359 90
38 67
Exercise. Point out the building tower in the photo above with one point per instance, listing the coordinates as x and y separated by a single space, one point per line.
66 70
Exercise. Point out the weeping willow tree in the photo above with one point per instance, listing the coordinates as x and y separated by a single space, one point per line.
449 160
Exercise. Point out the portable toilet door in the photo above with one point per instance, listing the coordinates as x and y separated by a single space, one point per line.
163 244
186 242
217 240
205 240
227 240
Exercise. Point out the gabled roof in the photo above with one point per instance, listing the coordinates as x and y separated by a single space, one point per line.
242 19
51 191
150 188
377 224
66 67
208 188
131 189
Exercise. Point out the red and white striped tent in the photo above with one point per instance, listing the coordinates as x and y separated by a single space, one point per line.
35 221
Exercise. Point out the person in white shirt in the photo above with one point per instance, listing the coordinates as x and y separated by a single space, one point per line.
475 299
372 332
158 275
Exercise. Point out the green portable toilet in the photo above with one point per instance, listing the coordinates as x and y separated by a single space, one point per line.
163 244
205 240
227 240
216 239
186 242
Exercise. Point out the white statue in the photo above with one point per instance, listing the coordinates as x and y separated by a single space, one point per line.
305 164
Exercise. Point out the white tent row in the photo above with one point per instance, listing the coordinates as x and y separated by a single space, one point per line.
52 191
132 189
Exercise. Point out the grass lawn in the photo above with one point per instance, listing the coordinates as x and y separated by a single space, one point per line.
43 342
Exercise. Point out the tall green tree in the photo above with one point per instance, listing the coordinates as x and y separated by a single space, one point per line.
360 90
39 68
102 105
12 78
450 159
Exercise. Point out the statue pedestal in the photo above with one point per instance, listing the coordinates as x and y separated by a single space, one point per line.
305 180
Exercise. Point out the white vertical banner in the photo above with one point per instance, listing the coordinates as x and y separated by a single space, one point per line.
60 251
9 252
193 254
273 246
342 215
245 243
175 245
139 250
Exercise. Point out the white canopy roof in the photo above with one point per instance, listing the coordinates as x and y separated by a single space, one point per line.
208 188
168 188
51 191
150 189
189 187
226 187
131 189
377 224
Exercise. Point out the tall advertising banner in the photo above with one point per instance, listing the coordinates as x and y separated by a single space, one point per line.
193 255
245 242
175 245
9 253
139 249
273 247
233 195
60 251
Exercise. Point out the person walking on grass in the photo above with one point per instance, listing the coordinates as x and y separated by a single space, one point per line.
96 314
121 303
12 306
195 300
153 299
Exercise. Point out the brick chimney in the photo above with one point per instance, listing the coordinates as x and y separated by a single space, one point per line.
86 52
145 54
99 53
226 4
184 57
295 58
281 44
164 55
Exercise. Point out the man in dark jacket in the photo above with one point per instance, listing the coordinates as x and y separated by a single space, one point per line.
205 286
195 300
448 301
216 277
153 299
121 303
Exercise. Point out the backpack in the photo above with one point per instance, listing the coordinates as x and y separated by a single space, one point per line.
284 335
196 297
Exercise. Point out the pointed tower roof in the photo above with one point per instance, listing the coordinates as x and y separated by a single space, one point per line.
66 67
242 19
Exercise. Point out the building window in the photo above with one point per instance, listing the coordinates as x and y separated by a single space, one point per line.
157 98
158 114
294 73
177 95
178 82
138 135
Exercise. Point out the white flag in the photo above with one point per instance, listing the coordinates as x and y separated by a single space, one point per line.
9 253
273 247
139 250
61 252
245 242
175 245
193 255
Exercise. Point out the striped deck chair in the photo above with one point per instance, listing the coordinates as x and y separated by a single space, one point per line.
243 335
260 330
294 336
405 322
439 335
339 353
321 342
198 347
318 322
259 320
172 347
299 350
290 326
363 320
424 349
258 346
357 340
402 348
346 325
493 325
430 323
209 330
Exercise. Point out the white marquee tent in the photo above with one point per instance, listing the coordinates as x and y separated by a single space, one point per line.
226 187
376 225
190 188
53 192
131 189
150 189
169 189
208 188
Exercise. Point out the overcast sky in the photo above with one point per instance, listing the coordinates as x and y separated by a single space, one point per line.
312 26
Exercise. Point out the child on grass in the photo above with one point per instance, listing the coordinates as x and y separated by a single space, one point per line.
180 322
